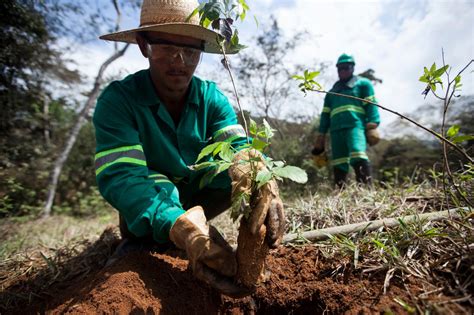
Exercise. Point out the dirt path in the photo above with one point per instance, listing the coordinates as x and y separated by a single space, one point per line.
301 282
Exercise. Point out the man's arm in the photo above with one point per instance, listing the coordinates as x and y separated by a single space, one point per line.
148 201
371 110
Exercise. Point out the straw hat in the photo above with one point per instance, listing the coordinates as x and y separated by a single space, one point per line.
169 16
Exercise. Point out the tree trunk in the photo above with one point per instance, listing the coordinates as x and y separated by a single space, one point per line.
81 119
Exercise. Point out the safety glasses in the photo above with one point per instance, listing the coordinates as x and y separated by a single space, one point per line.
169 52
344 67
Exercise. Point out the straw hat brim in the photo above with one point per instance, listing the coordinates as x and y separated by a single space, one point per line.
209 37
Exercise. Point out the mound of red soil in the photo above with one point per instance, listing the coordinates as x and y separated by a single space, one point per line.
300 282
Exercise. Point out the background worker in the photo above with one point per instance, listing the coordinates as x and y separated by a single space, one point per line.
151 127
352 123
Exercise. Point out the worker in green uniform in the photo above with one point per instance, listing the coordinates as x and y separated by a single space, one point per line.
351 123
150 128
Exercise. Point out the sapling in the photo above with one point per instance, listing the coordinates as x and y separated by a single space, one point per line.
219 156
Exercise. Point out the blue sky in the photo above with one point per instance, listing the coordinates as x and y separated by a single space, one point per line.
395 38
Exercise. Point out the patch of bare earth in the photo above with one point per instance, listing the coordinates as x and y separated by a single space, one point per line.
301 282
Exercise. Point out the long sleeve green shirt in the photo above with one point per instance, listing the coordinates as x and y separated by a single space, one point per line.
141 153
341 112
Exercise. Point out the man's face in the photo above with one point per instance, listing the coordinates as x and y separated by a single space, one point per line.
345 71
173 58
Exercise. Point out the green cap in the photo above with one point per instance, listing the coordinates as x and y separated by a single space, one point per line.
345 58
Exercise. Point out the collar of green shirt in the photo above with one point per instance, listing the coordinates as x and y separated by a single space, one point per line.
339 86
148 97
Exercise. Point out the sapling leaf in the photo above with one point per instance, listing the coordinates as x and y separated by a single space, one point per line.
452 131
423 79
226 153
279 163
462 138
293 173
433 67
263 177
258 144
297 77
207 150
222 146
203 165
268 129
440 71
253 127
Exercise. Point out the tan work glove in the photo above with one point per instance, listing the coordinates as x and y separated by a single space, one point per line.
373 136
266 204
211 257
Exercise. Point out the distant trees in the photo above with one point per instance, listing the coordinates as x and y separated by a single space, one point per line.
35 120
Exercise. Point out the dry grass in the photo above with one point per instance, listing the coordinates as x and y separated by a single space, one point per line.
433 260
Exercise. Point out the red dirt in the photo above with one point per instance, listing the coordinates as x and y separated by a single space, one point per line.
300 283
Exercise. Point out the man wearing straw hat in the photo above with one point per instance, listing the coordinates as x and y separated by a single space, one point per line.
151 126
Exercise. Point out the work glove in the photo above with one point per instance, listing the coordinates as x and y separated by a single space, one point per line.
320 144
320 158
210 256
266 205
373 136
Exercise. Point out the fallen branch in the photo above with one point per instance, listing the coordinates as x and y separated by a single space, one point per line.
323 234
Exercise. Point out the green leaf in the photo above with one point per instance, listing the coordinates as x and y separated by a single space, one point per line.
462 138
222 146
312 75
207 150
433 87
207 178
457 79
258 144
203 165
268 129
195 11
253 127
452 131
293 173
423 79
226 154
279 163
433 67
440 71
263 176
297 77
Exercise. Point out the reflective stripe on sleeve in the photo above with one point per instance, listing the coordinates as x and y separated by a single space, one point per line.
129 154
160 178
347 108
229 132
326 109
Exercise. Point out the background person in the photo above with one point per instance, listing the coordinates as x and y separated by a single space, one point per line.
352 123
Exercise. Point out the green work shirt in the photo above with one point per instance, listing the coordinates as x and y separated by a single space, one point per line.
142 154
341 112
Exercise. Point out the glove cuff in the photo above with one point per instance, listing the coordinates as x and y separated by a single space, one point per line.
189 225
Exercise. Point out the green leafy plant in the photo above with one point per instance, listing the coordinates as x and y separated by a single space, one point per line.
219 156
